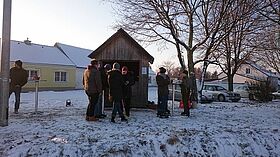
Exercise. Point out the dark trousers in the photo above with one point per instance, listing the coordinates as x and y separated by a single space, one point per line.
126 103
17 91
93 100
162 104
117 108
185 99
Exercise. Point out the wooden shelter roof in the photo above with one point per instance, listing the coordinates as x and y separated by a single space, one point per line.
121 33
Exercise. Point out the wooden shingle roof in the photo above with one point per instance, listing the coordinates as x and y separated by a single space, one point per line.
124 34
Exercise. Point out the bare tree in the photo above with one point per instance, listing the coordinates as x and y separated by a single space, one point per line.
190 25
241 42
270 9
268 51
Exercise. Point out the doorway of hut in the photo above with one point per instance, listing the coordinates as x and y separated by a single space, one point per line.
134 67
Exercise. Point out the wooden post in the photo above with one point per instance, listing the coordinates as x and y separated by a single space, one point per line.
5 63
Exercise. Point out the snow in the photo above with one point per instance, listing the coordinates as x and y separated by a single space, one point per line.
217 129
35 53
79 56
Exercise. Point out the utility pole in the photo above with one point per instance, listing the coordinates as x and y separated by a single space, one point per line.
5 63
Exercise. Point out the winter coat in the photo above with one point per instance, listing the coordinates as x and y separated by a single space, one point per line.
92 80
116 84
104 78
128 80
186 84
18 76
162 81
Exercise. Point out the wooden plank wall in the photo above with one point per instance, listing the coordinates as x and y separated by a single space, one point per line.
124 50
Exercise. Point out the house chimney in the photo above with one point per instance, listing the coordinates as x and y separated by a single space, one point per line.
27 42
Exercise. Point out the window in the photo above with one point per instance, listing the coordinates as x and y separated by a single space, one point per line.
248 71
60 76
32 73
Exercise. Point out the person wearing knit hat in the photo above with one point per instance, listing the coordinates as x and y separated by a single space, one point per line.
116 66
129 81
18 78
163 81
116 84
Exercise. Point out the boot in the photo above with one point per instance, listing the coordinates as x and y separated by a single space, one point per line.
16 111
113 120
163 115
185 113
123 119
92 118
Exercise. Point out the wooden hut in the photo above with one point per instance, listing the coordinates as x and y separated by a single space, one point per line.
122 48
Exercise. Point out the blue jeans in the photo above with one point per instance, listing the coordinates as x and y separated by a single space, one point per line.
98 106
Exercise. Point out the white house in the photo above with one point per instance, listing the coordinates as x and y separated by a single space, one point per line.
55 70
79 57
251 72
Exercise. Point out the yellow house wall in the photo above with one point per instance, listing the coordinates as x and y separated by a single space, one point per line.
47 77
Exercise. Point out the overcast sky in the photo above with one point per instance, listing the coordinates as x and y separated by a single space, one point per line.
81 23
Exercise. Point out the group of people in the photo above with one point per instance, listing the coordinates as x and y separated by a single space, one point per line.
117 81
163 81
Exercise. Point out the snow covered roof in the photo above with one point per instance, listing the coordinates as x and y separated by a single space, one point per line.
79 56
261 69
35 53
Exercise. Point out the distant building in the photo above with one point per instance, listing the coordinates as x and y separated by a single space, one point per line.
55 70
79 57
252 72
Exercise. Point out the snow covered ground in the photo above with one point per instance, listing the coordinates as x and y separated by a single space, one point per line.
218 129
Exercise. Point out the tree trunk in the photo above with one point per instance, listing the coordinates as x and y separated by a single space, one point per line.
230 82
205 65
192 77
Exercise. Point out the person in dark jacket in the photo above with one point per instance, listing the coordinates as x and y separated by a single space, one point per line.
93 87
116 84
18 78
128 79
162 81
99 109
185 91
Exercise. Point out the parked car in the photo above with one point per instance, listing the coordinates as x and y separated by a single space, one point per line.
243 90
205 98
221 94
252 92
276 95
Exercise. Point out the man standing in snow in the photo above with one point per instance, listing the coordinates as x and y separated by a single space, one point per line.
128 79
163 81
93 87
99 112
116 83
18 78
185 91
